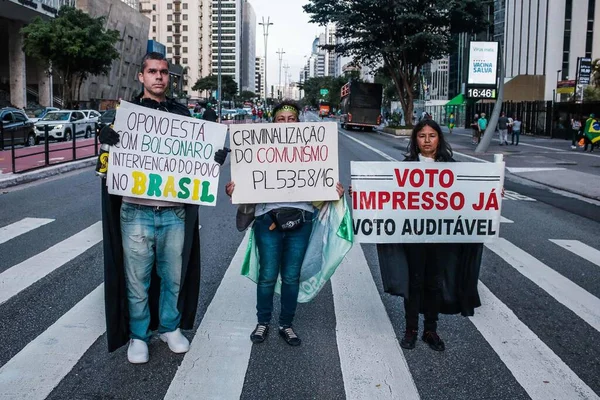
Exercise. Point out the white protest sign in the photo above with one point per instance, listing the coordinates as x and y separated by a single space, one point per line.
284 162
164 156
421 202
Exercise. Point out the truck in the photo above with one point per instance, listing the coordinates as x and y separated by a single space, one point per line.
324 110
360 104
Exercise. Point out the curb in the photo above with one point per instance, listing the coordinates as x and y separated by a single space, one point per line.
19 179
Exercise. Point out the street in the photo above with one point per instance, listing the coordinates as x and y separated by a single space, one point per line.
536 335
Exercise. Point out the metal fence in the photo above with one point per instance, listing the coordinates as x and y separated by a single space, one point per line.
563 113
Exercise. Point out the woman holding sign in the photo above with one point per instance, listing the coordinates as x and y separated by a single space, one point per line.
281 233
432 277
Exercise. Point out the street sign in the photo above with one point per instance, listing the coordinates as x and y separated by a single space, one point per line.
483 63
324 92
585 70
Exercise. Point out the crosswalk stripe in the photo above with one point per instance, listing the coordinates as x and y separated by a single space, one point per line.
21 276
37 369
20 227
216 364
575 298
582 250
506 220
534 365
372 362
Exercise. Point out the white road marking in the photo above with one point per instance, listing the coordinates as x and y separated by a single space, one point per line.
381 153
21 276
215 366
572 296
505 220
582 250
21 227
372 362
534 365
514 170
510 195
37 369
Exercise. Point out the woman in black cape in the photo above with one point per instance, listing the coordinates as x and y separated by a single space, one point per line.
432 277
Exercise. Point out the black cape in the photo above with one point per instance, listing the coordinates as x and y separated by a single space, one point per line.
209 115
459 262
115 293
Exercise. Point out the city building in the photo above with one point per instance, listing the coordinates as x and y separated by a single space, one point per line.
323 60
185 29
438 79
248 53
24 80
259 77
543 41
231 38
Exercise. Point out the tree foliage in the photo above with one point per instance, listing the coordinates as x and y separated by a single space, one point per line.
400 35
210 83
75 44
247 95
312 90
596 73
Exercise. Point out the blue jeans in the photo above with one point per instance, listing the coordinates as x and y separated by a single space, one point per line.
279 252
152 237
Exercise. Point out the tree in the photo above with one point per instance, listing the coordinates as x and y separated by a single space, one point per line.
211 84
596 73
75 44
247 95
591 94
400 35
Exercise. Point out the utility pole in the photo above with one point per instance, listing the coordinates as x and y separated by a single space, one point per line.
219 83
265 26
286 67
280 52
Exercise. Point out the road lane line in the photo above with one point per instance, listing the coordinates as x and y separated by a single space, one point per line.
572 296
37 369
372 362
19 277
381 153
582 250
534 365
215 366
505 220
21 227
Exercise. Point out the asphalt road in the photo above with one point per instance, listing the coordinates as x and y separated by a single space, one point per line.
536 336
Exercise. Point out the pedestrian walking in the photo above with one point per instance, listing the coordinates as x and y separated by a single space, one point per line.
482 122
503 129
516 131
281 234
432 278
209 114
151 249
588 135
451 122
476 132
575 130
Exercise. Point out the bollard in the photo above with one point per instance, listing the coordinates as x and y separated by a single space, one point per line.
74 137
46 144
96 138
12 148
498 158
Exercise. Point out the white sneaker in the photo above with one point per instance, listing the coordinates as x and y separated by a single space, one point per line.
137 353
176 341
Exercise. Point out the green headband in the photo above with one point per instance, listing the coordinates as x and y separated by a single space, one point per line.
288 108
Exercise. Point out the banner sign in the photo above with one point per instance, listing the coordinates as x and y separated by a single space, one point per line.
272 163
417 202
163 156
585 70
483 63
565 87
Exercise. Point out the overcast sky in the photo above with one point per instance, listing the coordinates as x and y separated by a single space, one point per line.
290 31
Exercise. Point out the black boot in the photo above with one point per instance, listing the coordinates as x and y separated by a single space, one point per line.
409 340
434 341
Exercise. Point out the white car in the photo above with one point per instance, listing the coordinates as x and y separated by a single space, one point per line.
91 115
61 125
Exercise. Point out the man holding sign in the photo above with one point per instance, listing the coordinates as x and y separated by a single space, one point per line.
160 170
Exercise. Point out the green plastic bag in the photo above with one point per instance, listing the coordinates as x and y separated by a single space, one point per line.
330 240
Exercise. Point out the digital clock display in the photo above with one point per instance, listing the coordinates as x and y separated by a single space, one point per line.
481 93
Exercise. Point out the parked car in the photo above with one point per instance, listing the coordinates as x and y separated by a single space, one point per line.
15 124
92 115
35 114
62 124
107 118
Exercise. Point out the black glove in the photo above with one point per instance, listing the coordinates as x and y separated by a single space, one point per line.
221 155
108 136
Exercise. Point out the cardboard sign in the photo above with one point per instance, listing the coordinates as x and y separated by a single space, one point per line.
273 163
423 202
163 156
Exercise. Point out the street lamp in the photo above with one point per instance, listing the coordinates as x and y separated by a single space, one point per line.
280 52
265 26
219 83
